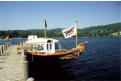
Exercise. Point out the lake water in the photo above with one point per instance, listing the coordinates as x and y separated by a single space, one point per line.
100 61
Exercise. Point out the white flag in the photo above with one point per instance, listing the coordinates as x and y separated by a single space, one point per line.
69 32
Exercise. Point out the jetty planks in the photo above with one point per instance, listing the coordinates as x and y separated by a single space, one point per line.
12 65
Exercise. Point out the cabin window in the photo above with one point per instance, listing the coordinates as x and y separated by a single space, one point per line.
50 46
47 46
57 46
40 47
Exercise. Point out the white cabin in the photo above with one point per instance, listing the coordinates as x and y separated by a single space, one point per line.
45 45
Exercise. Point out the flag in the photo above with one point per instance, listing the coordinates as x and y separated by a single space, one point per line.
7 37
45 23
69 32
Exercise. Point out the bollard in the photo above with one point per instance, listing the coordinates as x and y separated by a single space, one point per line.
25 67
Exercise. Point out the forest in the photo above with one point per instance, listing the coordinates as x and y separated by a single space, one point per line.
93 31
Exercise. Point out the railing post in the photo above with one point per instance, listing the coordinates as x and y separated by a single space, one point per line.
0 50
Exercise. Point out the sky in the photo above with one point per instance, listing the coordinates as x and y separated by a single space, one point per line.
22 15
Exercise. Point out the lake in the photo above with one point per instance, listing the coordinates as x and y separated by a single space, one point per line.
100 61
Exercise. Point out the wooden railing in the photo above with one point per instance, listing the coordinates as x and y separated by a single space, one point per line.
4 47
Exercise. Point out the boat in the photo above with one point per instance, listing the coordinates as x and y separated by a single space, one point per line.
49 50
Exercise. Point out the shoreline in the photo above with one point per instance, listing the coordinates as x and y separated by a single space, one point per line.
66 38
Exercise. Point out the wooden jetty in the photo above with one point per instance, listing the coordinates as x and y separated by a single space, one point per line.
13 66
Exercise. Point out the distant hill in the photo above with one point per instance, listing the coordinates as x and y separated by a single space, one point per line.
103 30
94 31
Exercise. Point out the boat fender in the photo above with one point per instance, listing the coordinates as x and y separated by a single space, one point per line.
30 79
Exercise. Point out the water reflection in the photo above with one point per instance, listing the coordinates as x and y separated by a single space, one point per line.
49 72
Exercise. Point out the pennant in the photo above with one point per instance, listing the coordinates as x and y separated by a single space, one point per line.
45 23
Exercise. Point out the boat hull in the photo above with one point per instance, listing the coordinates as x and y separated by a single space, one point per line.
61 57
53 59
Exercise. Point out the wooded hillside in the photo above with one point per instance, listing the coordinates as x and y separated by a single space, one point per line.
94 31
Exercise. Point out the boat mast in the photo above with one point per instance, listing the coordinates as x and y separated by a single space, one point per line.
76 35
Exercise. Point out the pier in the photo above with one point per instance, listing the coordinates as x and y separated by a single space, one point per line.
13 66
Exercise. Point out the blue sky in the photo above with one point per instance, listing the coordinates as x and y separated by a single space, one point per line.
30 15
